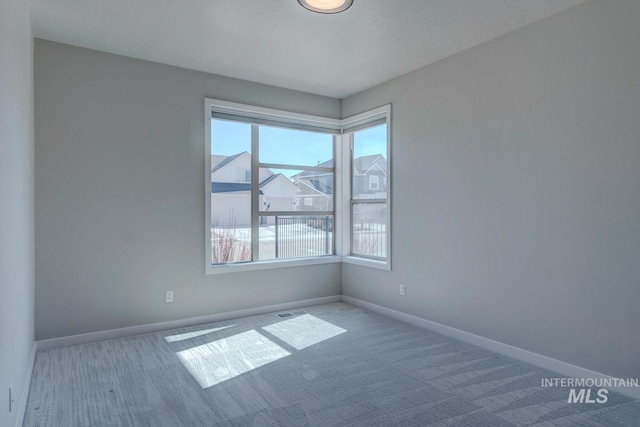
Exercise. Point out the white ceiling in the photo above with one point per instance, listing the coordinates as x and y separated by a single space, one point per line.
277 42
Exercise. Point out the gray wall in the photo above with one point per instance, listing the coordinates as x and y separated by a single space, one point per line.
16 203
119 195
516 192
516 179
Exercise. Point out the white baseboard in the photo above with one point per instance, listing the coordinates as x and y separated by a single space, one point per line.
171 324
563 368
27 385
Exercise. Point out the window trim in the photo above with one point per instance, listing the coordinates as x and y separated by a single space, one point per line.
353 124
342 182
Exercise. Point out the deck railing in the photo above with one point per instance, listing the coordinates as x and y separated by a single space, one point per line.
298 237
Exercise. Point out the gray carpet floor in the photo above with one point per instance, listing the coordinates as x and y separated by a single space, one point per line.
333 365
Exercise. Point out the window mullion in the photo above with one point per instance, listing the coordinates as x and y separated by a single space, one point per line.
347 186
357 201
296 167
336 173
297 213
255 193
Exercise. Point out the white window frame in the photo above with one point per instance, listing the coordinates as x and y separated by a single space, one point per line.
383 112
342 190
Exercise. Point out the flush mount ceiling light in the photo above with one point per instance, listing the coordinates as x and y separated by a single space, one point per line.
326 6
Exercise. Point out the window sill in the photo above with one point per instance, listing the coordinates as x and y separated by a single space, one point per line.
266 265
364 262
286 263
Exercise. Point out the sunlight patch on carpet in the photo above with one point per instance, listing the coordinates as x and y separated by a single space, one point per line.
304 331
221 360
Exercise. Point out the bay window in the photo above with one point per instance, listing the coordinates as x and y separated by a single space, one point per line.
276 184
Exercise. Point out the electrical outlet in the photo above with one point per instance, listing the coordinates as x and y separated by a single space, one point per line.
402 290
168 296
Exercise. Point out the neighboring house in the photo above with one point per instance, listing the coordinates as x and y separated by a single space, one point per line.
370 177
278 193
231 191
311 197
316 188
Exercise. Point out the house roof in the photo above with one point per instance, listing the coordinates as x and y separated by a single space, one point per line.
216 159
364 163
268 180
325 164
226 161
283 177
229 187
317 185
361 165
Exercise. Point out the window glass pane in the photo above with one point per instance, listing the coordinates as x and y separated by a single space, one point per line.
267 239
295 190
369 164
369 230
292 184
230 192
230 243
229 138
278 192
315 191
295 236
295 147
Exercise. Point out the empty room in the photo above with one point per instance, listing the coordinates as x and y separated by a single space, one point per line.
320 213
